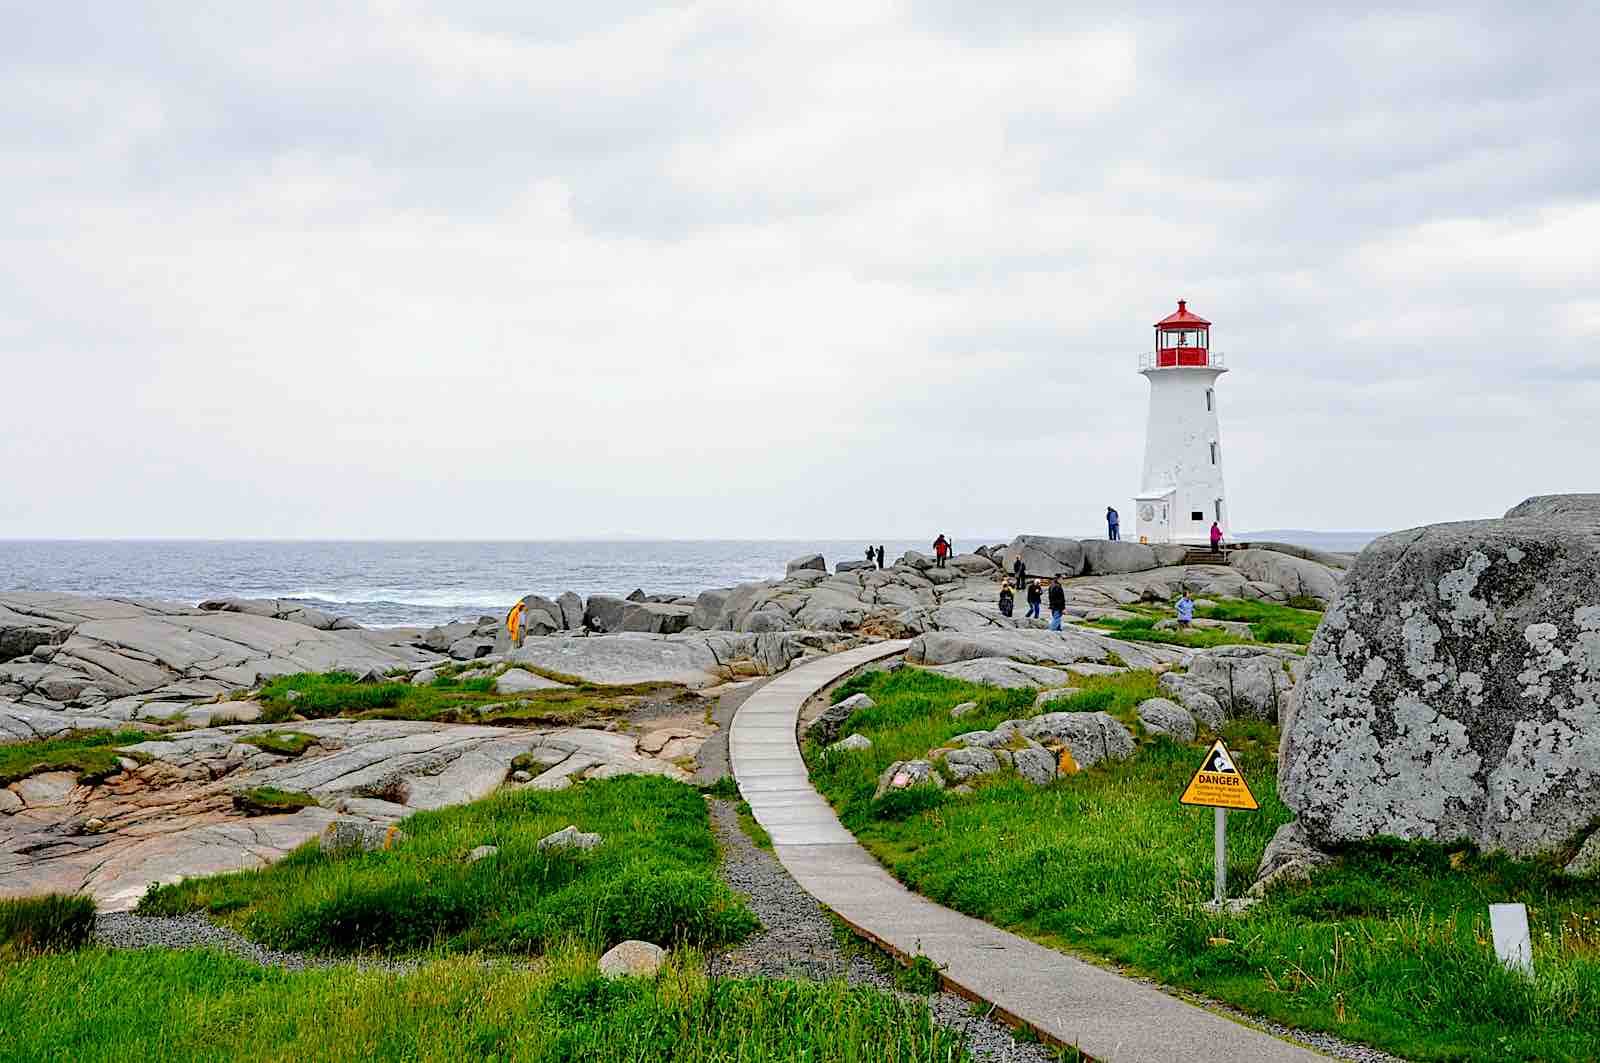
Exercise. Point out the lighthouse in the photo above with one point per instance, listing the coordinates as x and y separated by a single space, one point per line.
1181 491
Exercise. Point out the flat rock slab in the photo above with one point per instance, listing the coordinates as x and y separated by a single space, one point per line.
169 815
1111 1018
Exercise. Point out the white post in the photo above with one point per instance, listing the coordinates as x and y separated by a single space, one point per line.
1221 891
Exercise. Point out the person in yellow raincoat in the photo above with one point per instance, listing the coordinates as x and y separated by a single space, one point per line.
514 622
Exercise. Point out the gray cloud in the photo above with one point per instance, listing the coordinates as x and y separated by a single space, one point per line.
485 269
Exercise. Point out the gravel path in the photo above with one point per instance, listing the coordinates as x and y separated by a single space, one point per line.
124 930
797 942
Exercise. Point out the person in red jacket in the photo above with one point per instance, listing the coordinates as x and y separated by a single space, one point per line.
941 547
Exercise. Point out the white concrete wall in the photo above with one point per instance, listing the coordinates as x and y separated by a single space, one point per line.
1177 452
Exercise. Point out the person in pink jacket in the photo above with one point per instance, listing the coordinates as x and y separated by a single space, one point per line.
1216 536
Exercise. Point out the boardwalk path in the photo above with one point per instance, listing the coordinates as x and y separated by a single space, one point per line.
1110 1018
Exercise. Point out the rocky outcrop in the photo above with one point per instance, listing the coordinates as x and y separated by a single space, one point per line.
1162 717
1297 576
169 813
1045 556
1453 689
118 657
1089 737
278 609
1235 682
1001 672
813 562
1036 647
1103 557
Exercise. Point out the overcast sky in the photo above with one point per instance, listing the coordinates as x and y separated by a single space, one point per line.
808 269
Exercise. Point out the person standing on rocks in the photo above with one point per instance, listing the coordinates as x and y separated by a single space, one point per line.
880 555
1019 571
1035 596
1113 525
1058 603
871 556
941 546
1007 599
1216 537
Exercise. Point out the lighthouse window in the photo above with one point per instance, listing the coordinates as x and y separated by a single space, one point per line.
1195 514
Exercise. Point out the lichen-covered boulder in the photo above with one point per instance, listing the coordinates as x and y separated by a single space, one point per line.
904 774
964 764
1453 689
1106 557
1296 576
1089 736
1162 717
1247 682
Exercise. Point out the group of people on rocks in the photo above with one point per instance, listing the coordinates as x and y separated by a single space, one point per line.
1037 595
875 555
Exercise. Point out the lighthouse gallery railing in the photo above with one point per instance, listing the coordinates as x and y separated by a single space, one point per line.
1215 360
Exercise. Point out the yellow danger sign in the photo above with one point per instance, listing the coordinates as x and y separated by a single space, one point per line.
1218 783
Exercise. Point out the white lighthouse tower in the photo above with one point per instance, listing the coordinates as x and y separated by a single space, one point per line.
1181 493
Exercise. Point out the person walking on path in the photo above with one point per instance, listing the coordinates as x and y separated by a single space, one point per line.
1058 604
1019 571
1185 611
880 555
1007 599
1216 537
1113 525
1034 597
941 546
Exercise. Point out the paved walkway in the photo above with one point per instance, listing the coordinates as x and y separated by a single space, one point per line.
1111 1018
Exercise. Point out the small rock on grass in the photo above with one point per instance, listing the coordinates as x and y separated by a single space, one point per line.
962 709
481 852
853 743
639 959
350 834
424 677
569 837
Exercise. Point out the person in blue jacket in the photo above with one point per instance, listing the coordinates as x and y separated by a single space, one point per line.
1113 525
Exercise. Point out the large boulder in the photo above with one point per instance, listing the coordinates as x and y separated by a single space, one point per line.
657 618
707 612
811 562
540 616
1162 717
1089 737
1103 557
1453 689
1295 575
1566 509
1247 682
604 612
1045 556
571 611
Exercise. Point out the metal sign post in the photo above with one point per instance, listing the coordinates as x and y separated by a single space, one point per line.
1218 784
1220 893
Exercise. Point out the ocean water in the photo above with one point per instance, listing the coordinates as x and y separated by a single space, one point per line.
388 584
385 584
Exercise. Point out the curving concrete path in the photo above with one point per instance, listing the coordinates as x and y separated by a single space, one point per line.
1110 1018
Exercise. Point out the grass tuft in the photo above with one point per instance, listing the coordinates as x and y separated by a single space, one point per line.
92 754
270 801
283 743
55 922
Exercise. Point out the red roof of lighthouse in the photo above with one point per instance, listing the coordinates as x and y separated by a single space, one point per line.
1182 317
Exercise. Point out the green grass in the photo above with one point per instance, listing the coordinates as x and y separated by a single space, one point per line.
1390 946
92 754
162 1007
283 743
1143 629
654 877
270 801
756 832
448 698
1268 622
52 923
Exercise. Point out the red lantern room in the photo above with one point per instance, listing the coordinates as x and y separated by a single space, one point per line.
1183 339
